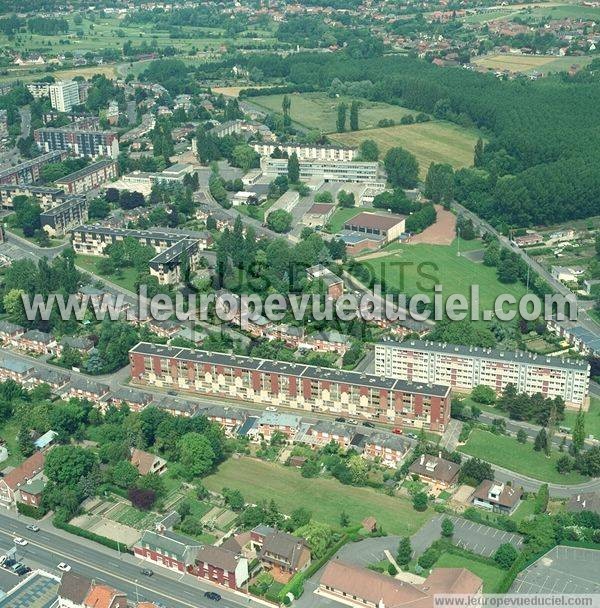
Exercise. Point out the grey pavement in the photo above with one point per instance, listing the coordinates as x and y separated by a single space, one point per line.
561 570
368 551
450 437
469 535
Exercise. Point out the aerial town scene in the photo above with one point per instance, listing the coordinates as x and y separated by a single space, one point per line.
299 303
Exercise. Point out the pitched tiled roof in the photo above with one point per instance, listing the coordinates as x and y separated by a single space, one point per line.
74 587
101 596
143 461
26 470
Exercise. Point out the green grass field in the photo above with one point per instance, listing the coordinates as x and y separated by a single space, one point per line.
530 63
342 214
491 575
318 111
592 418
405 266
126 280
9 432
431 142
325 498
521 458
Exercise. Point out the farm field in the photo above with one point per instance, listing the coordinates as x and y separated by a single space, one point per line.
491 575
318 111
431 142
404 267
529 63
325 498
518 457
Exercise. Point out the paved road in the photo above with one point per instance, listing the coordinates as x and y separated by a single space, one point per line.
50 546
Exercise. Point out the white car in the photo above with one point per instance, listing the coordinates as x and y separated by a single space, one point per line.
271 408
64 567
20 541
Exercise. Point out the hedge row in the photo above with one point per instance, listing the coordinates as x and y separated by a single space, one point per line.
30 511
103 540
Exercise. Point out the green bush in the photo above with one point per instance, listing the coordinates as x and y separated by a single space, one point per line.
30 511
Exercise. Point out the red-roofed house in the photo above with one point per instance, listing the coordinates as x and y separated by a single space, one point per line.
27 471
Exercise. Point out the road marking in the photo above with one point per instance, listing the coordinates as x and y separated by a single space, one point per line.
70 558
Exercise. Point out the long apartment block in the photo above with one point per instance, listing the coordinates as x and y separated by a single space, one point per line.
306 152
329 170
29 170
464 367
169 244
293 385
71 212
78 142
89 177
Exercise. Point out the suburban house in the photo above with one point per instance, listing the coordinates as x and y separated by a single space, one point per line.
12 368
497 496
324 432
589 501
222 566
328 342
19 477
281 553
357 586
54 379
82 388
435 471
77 591
335 285
147 463
36 341
389 449
136 400
167 549
178 407
9 332
227 417
81 345
271 422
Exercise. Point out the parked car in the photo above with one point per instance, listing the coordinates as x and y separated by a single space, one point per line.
211 595
369 424
397 431
412 435
146 572
64 567
22 570
340 419
33 528
16 566
352 421
271 408
20 541
8 563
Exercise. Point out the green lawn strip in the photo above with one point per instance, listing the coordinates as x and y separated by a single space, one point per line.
491 575
418 268
325 498
592 418
126 279
9 432
521 458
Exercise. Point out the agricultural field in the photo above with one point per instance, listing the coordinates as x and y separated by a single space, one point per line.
431 142
530 63
518 457
325 498
491 575
318 111
404 267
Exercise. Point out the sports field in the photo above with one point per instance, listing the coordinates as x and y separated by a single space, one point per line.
324 498
518 457
417 268
318 111
435 141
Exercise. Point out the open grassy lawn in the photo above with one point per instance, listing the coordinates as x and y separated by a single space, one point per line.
405 266
342 214
592 418
431 142
9 432
518 457
490 575
325 498
524 510
126 279
530 63
318 111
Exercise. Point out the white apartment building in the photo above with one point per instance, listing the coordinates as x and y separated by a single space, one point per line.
328 170
464 367
64 95
306 152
